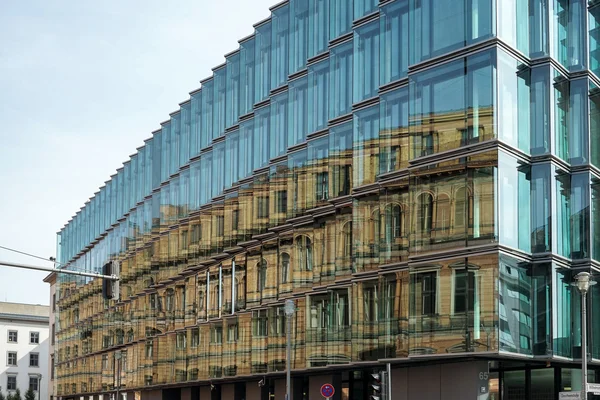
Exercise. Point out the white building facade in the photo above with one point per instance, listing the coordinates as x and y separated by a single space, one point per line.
24 345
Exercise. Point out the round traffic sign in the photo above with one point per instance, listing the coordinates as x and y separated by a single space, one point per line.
327 390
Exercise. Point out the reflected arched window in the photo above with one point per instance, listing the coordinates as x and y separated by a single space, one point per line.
393 222
305 253
442 220
464 291
424 212
170 299
347 240
240 289
460 208
261 269
130 335
120 336
214 297
375 222
201 300
285 268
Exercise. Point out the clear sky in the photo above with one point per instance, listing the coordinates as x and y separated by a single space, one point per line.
82 84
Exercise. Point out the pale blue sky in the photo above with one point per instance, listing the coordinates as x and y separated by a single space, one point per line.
82 84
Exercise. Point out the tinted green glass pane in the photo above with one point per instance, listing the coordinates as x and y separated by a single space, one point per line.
299 34
366 146
440 26
340 159
366 60
514 192
594 39
262 59
207 109
248 66
572 211
220 90
298 111
260 139
393 133
525 295
279 120
280 42
566 330
364 7
318 28
393 56
595 218
340 17
318 90
340 80
452 105
232 106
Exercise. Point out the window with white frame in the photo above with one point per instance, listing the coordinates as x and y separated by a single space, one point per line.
13 336
12 359
34 359
34 337
11 382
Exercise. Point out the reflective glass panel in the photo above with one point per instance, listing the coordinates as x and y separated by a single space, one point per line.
393 134
299 34
393 56
340 17
232 107
366 61
453 105
366 146
340 80
247 73
318 27
281 34
298 111
318 90
340 159
440 26
279 121
220 88
262 61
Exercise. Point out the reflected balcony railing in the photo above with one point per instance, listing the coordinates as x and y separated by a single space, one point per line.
450 333
332 334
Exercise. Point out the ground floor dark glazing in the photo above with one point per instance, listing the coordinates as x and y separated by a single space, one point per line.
463 379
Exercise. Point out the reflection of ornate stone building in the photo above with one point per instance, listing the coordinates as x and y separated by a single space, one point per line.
433 213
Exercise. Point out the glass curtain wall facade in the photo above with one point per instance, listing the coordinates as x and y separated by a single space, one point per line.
432 166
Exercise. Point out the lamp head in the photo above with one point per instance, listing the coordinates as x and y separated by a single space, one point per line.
584 282
290 307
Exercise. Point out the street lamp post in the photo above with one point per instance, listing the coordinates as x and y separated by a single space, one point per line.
583 284
118 383
39 387
289 310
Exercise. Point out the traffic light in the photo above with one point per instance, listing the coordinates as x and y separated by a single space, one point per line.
379 382
110 288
